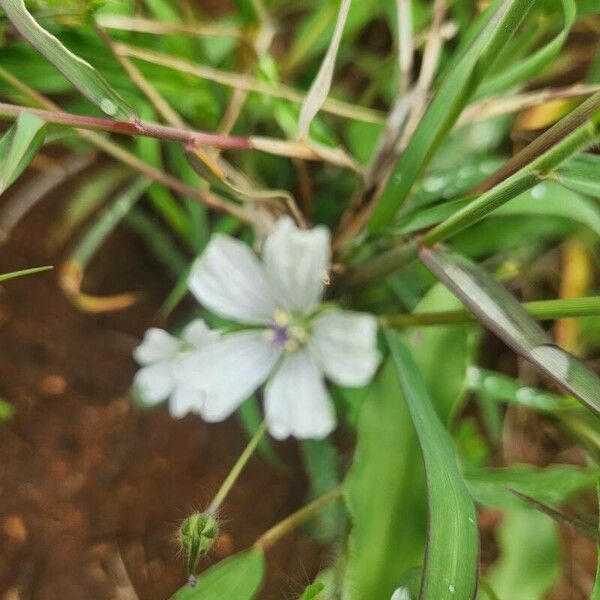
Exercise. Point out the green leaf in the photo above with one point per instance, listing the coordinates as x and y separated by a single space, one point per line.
18 146
547 198
553 484
455 91
80 73
450 569
452 342
529 561
385 495
15 274
505 316
501 388
533 65
582 174
238 577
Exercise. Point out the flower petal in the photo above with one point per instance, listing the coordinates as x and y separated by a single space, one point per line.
297 262
344 344
157 345
229 371
154 383
185 399
197 333
229 280
296 400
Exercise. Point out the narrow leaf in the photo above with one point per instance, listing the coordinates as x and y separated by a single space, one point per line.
561 518
80 73
385 494
553 484
453 341
455 91
18 146
236 578
450 569
72 271
547 198
322 83
15 274
531 66
505 316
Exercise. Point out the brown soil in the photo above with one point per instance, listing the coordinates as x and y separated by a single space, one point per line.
91 488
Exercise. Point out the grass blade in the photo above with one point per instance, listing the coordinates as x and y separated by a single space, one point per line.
72 271
501 312
24 272
322 83
553 484
453 95
80 73
388 527
452 548
534 64
18 146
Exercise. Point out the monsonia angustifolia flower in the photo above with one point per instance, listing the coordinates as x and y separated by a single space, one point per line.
158 355
287 337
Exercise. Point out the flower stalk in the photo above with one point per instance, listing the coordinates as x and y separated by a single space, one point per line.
230 480
542 310
281 529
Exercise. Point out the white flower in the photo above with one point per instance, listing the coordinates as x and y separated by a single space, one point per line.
292 341
158 355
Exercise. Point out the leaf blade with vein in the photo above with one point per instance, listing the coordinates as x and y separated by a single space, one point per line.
18 146
79 72
450 570
501 312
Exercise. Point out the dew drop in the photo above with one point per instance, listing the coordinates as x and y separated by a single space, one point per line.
473 376
451 589
539 191
526 394
402 593
109 107
434 184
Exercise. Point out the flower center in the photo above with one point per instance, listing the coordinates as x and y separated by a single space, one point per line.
286 332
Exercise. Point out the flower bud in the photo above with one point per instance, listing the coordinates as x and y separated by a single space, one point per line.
197 535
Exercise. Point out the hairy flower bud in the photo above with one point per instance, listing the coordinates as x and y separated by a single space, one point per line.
197 535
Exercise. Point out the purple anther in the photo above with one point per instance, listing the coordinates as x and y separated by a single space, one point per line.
280 335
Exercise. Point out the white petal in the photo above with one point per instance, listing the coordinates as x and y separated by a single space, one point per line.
154 383
156 346
197 333
297 262
344 344
296 400
185 399
229 371
229 280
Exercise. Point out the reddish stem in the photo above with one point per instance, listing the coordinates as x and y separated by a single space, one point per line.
135 128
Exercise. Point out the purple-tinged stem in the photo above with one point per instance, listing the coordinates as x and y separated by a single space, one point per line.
134 128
